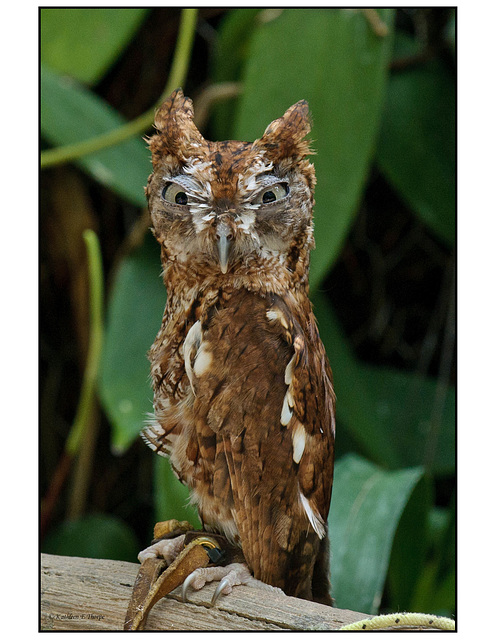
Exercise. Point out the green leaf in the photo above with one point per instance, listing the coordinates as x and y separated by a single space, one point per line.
134 317
416 148
435 589
171 497
93 536
231 48
84 42
392 415
367 504
334 60
71 113
448 540
231 51
433 596
356 408
410 548
406 406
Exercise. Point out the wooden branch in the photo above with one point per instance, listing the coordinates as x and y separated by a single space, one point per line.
88 594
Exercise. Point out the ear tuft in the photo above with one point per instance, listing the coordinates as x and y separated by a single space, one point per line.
283 137
175 129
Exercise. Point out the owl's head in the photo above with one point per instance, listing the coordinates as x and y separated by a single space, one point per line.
223 209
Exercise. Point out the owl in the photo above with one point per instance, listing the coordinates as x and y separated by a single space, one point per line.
244 403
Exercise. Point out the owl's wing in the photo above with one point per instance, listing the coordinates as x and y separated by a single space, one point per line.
308 408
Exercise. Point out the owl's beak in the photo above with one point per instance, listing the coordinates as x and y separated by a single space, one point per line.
224 245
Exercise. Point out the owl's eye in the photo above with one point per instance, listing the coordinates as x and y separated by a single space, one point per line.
174 194
272 194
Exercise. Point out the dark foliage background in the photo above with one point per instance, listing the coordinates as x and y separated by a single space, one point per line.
382 89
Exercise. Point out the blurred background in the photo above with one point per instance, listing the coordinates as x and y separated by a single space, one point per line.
381 85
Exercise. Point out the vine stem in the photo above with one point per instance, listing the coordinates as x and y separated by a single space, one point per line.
84 409
85 425
177 76
81 442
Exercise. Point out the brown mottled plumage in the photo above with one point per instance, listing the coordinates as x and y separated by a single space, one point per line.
244 403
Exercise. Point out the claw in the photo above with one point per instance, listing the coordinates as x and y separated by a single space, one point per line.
185 586
218 591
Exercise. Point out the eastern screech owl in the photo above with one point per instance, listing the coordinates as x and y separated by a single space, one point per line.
243 395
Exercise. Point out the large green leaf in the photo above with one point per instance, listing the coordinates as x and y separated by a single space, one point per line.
84 42
231 52
367 504
333 59
410 548
391 414
435 588
71 113
93 536
134 316
416 148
